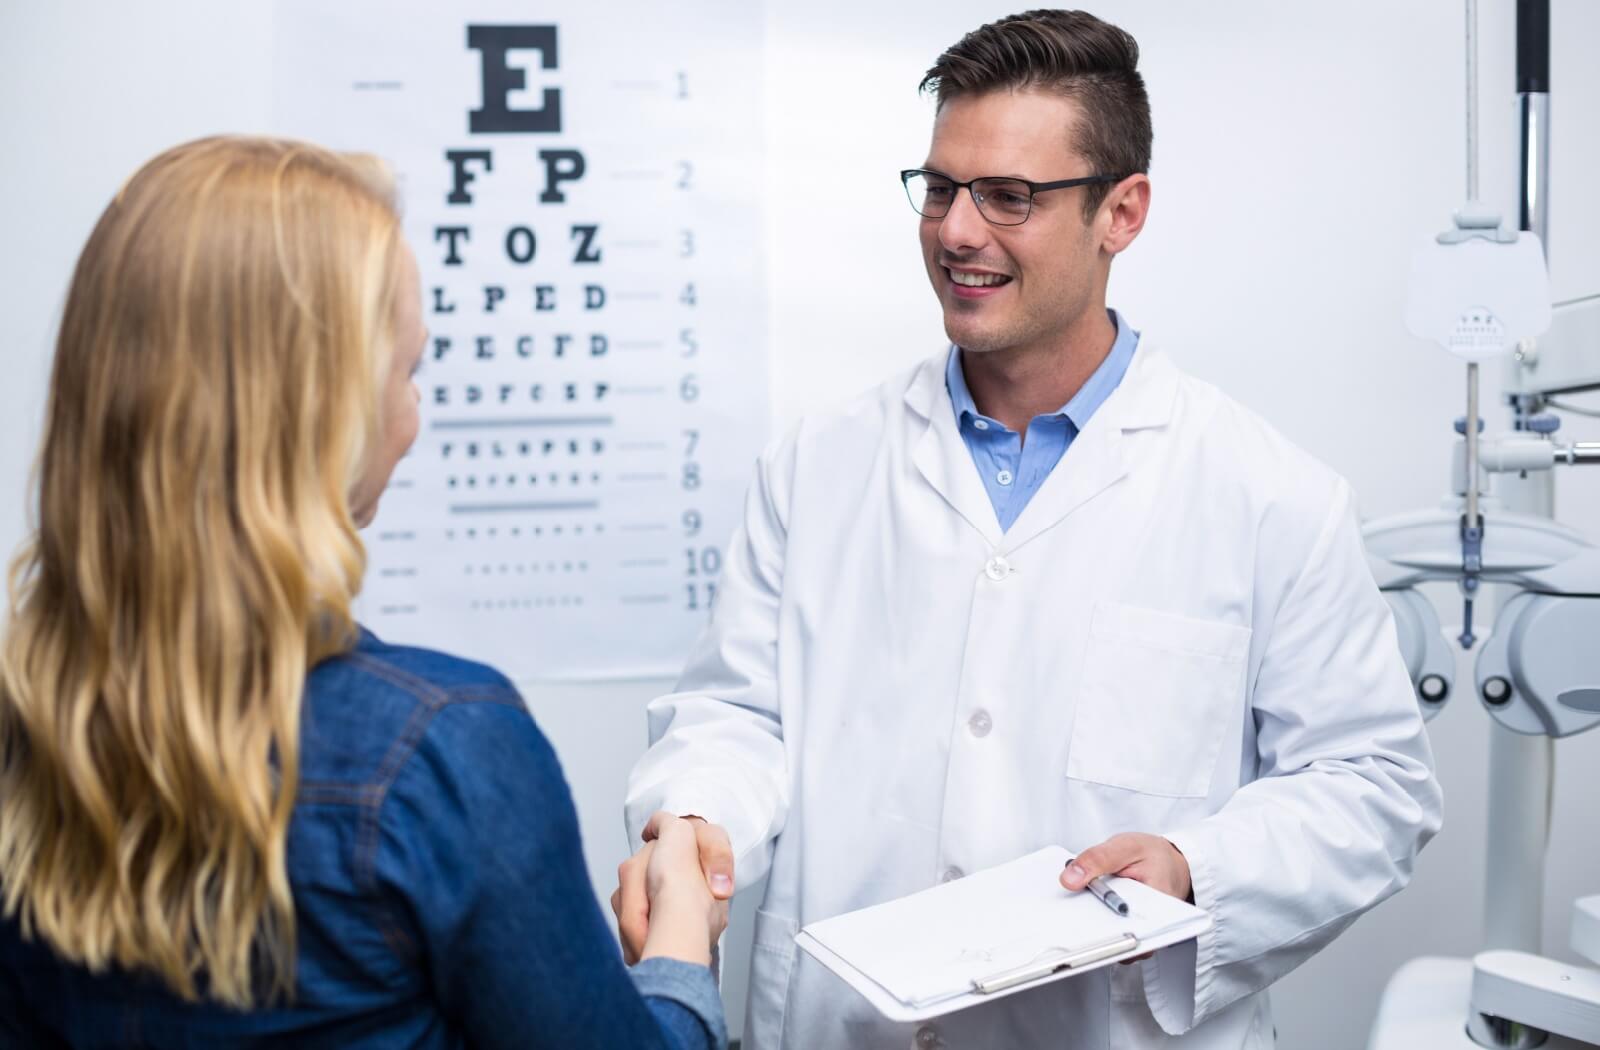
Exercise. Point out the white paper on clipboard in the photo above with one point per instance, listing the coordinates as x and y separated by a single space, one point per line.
918 957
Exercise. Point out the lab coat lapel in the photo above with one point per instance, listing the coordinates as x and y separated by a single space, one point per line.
942 457
1101 455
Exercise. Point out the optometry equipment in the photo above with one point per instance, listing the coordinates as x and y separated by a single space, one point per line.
1482 292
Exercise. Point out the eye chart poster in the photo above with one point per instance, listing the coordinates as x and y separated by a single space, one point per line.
581 185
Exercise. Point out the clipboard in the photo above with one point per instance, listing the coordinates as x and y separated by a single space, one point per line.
992 934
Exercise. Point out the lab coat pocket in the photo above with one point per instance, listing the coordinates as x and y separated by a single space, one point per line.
769 980
1157 694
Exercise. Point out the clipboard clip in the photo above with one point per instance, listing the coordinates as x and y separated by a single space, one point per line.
1054 961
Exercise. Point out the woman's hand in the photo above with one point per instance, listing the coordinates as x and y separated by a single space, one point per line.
685 919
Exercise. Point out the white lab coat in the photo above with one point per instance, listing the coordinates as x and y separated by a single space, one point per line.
1179 635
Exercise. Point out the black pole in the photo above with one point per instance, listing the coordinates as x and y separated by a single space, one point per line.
1533 46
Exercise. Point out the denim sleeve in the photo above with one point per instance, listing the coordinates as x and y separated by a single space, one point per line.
480 868
684 998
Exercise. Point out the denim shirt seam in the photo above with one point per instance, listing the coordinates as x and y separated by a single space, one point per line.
431 699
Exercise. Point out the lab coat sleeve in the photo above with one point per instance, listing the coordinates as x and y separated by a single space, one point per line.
1345 798
716 742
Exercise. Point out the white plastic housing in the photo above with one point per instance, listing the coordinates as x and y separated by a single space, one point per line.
1543 993
1478 298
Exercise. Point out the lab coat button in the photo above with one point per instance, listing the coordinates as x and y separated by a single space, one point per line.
981 424
927 1038
950 875
980 723
997 569
1004 477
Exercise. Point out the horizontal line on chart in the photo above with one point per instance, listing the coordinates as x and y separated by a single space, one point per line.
661 476
401 483
378 85
634 391
397 610
636 244
394 536
641 344
500 508
641 446
522 421
647 526
630 297
641 174
403 571
646 599
645 563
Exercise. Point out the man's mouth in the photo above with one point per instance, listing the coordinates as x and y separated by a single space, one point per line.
975 280
978 280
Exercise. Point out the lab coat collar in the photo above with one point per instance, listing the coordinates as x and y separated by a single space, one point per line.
1095 461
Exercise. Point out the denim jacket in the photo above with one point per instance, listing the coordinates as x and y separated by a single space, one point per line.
441 897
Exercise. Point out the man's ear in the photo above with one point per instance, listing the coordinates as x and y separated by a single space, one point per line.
1124 211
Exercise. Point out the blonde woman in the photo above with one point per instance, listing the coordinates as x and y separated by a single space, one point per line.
229 816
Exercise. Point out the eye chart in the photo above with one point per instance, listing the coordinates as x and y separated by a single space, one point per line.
581 186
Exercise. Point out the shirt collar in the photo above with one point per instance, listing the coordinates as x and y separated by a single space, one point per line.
1080 407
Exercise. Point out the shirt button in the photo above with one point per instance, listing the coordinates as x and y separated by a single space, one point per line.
981 424
1004 477
997 568
950 874
927 1038
980 723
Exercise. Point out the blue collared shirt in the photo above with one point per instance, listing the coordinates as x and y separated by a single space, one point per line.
1013 469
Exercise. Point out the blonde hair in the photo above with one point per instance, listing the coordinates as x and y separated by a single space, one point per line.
213 399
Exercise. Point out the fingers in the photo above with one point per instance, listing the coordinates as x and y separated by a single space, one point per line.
1108 858
631 903
652 827
716 858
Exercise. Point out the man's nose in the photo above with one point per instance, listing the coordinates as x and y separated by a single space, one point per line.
963 226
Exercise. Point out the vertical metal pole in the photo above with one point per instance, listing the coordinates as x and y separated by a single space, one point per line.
1521 767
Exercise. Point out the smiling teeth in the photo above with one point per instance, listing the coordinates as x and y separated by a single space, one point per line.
978 280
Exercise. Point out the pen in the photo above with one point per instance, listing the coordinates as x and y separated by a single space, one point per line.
1106 895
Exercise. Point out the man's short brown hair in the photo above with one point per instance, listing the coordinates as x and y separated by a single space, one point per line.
1071 52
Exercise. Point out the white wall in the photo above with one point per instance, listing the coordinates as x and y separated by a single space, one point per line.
1300 150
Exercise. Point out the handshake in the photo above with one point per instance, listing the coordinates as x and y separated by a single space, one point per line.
672 895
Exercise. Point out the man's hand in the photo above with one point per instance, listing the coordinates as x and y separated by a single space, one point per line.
631 902
1149 859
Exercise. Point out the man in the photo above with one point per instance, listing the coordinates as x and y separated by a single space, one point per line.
1044 589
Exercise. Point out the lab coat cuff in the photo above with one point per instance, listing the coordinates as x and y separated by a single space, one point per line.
711 803
1178 980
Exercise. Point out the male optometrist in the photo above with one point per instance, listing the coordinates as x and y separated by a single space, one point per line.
1044 588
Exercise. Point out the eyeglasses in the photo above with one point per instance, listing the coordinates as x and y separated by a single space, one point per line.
1003 201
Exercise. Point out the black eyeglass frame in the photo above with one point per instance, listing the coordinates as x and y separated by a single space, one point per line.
1033 187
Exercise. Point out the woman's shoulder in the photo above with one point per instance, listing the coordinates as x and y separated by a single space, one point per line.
370 710
426 673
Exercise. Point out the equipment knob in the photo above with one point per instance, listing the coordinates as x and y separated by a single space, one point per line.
1461 425
1496 691
1433 688
1543 423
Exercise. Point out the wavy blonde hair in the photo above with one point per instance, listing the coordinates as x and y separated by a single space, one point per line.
213 399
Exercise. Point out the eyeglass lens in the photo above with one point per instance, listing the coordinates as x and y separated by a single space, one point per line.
1003 201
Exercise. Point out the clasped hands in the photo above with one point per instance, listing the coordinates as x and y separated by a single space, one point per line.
672 895
685 859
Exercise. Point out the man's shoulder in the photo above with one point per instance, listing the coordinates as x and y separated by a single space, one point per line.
864 415
1240 436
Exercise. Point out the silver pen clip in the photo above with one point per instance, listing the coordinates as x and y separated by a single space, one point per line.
1053 961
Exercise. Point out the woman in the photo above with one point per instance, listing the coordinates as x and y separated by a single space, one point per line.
229 816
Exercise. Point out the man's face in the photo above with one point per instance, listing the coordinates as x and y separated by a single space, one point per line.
1049 266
